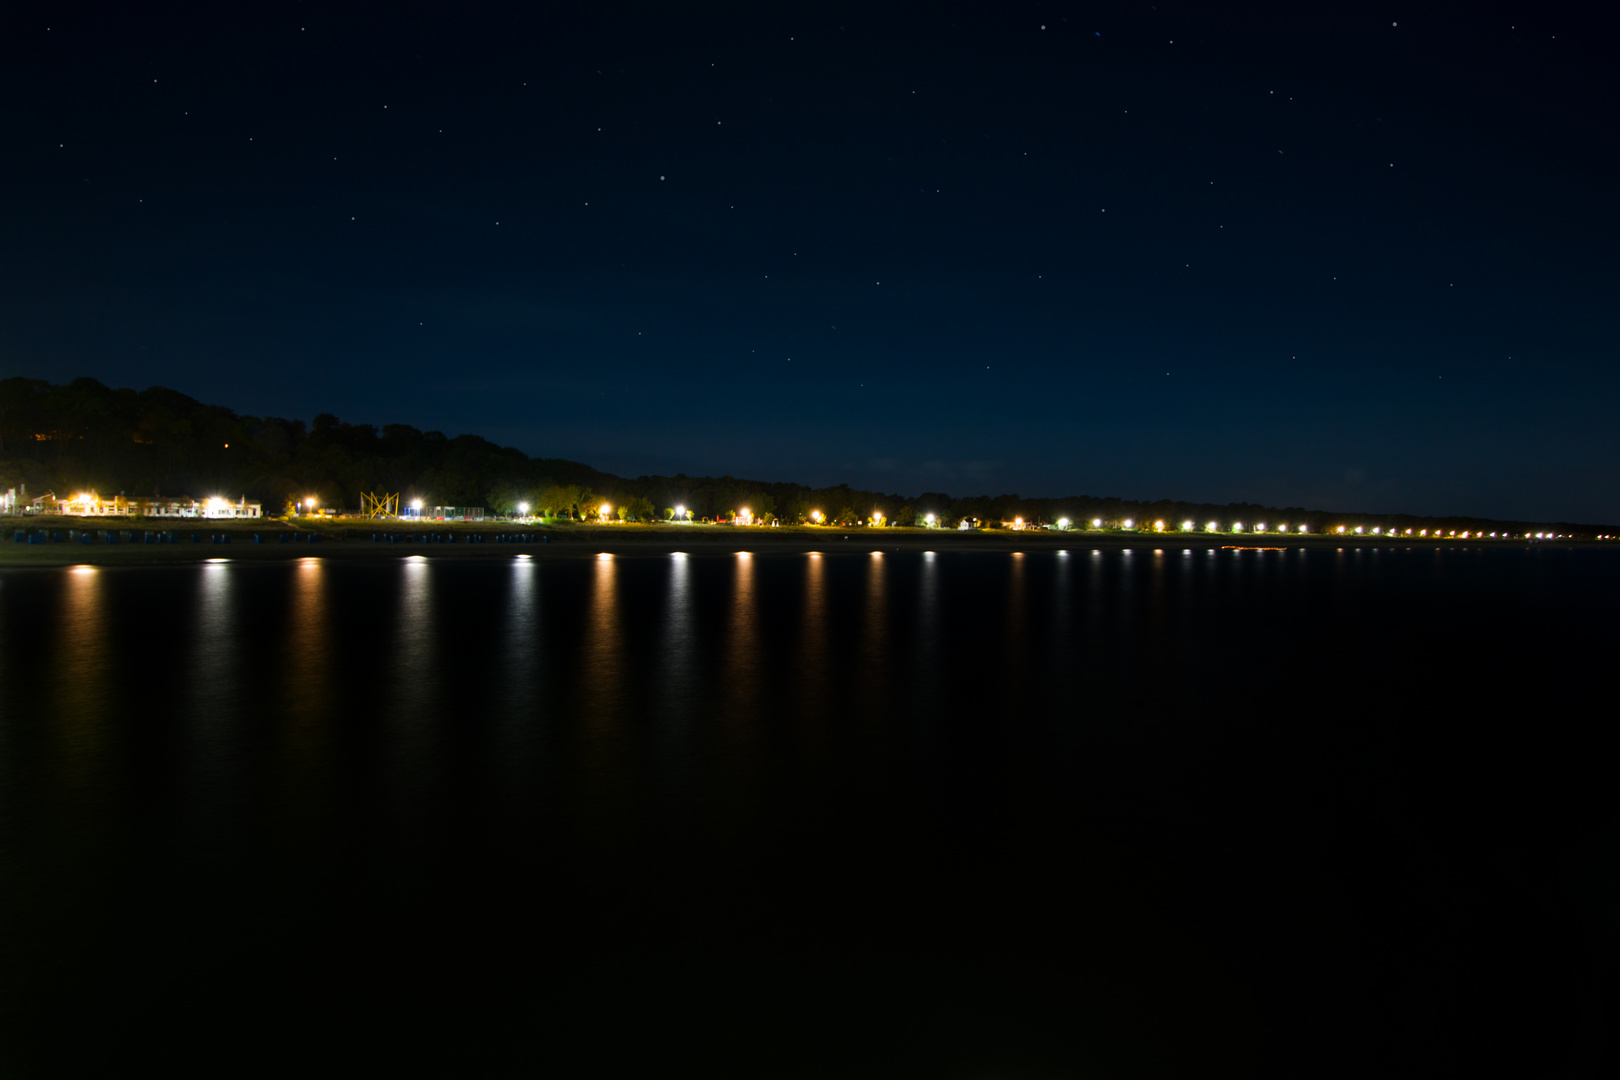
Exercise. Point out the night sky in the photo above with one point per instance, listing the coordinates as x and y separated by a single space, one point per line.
1356 256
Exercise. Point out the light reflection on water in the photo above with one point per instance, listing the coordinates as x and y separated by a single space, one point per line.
216 717
522 695
307 699
419 697
792 757
678 676
84 679
606 791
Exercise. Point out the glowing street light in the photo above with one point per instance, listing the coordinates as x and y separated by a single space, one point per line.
931 519
1096 523
309 502
523 508
1186 526
604 511
817 516
877 517
1212 526
680 513
1158 526
416 504
1129 523
1062 523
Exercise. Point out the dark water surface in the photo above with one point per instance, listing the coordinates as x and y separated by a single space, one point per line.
1061 814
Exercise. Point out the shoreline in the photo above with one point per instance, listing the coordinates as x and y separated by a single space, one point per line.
352 541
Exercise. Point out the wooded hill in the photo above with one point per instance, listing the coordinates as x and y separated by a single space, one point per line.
85 436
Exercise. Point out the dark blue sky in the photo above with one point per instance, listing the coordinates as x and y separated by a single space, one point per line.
1359 258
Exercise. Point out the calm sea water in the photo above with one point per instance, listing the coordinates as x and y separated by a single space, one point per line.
1153 812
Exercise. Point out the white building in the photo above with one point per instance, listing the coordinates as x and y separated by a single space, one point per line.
89 504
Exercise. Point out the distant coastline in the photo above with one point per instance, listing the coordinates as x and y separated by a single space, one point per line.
350 539
157 447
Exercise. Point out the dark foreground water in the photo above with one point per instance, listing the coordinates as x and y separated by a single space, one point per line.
984 815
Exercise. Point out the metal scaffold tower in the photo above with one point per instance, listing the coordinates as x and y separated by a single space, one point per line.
377 505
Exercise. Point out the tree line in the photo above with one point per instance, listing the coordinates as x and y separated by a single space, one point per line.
87 436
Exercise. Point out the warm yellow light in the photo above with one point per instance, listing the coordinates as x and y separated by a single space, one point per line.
310 502
1340 529
604 511
84 497
817 516
416 504
1063 523
931 519
523 508
1096 523
1158 526
1129 523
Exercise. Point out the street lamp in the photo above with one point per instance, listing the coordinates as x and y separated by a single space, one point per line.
523 509
604 511
931 520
